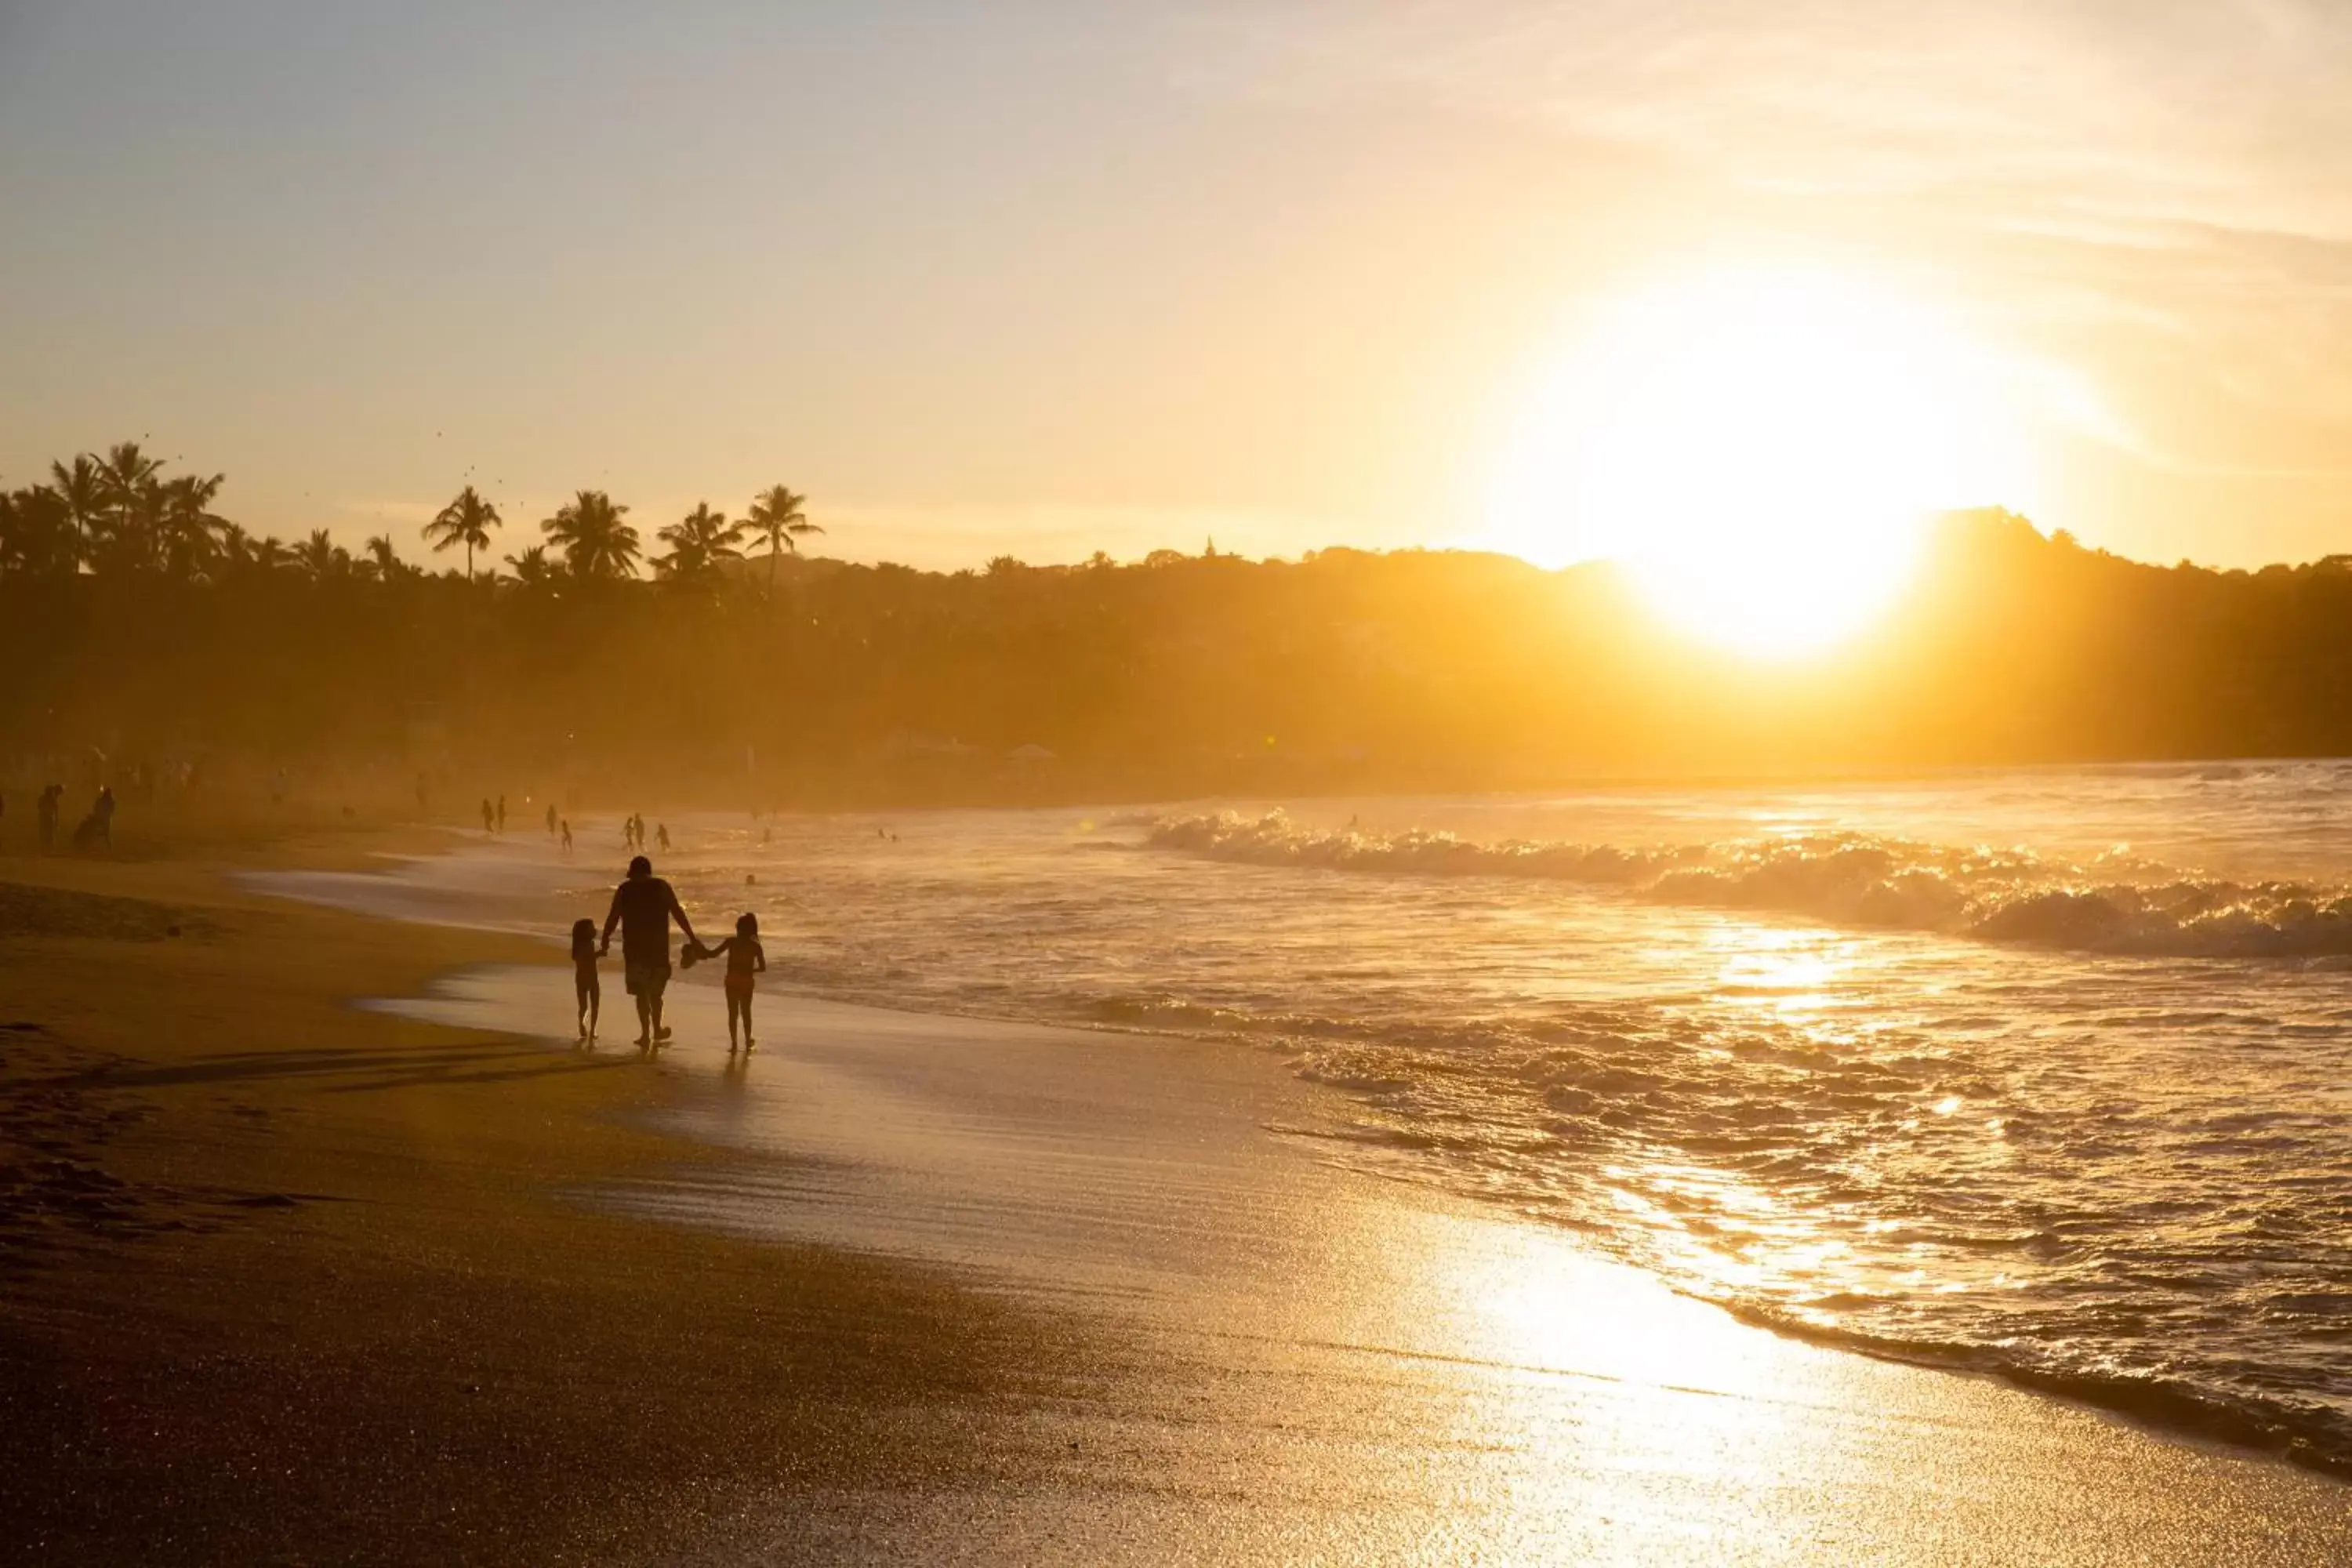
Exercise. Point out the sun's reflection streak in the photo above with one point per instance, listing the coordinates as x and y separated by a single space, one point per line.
1657 1383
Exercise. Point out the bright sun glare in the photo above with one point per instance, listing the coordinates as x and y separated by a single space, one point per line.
1759 451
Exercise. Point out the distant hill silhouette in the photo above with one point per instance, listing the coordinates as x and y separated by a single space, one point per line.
799 679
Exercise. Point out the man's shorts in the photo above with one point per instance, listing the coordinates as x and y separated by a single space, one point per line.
646 980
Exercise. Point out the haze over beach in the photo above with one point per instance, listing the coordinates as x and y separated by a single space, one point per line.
1177 783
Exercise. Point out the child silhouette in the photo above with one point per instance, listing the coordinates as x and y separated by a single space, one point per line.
745 957
584 986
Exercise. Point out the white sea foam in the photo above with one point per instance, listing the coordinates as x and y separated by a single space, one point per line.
1941 1068
2115 904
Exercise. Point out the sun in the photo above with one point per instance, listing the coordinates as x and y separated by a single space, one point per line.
1759 451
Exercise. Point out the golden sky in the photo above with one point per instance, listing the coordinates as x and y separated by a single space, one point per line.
1041 279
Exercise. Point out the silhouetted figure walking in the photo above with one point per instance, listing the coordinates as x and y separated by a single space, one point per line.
586 989
486 814
567 836
643 906
661 836
551 819
745 957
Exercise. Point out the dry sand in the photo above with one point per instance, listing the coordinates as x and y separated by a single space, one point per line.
285 1281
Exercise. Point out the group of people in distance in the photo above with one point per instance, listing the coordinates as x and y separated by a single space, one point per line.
494 821
632 833
643 906
96 830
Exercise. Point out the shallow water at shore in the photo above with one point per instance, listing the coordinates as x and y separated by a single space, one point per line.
1241 1349
2043 1073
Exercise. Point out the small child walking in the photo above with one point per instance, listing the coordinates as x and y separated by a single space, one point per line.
745 957
584 986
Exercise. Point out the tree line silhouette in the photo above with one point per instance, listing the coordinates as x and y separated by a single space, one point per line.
116 513
136 620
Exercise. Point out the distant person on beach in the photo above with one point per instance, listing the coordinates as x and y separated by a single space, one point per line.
98 828
643 906
486 815
567 836
745 957
585 987
661 836
551 819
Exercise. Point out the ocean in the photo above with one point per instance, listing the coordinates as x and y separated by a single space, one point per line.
2046 1074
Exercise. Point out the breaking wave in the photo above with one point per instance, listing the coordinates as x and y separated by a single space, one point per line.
2114 904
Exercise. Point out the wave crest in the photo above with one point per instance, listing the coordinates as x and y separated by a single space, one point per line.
2114 904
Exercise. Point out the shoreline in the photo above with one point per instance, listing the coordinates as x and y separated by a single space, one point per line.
1103 1295
1218 1257
2167 1414
280 1276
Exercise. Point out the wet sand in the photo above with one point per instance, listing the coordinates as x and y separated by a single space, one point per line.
282 1281
1265 1356
405 1283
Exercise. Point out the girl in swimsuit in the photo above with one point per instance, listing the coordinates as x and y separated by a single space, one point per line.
745 957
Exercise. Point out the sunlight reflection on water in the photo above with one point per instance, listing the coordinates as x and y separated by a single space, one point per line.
2035 1154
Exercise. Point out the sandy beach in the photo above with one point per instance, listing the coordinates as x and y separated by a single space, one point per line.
316 1250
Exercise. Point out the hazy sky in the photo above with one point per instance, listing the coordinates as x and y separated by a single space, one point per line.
1040 278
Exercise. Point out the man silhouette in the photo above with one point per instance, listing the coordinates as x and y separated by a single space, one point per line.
643 906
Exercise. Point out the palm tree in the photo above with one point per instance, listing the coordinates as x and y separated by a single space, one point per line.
134 538
320 557
131 505
85 496
191 531
15 546
37 534
698 542
272 554
466 521
236 548
594 541
532 574
776 517
383 557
